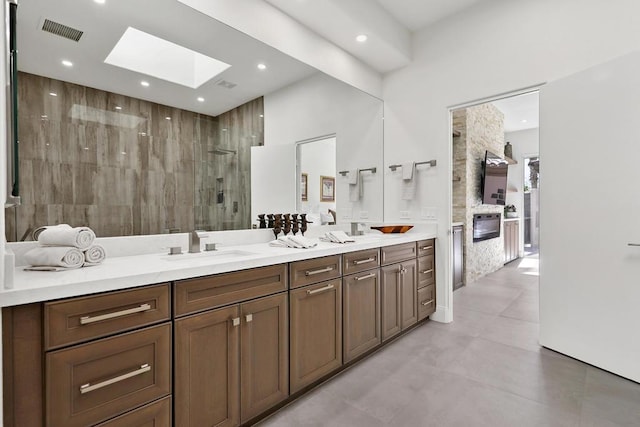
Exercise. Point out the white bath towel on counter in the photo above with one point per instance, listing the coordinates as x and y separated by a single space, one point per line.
65 235
298 242
408 181
355 185
94 255
55 256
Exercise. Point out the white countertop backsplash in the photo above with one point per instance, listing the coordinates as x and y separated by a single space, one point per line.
144 260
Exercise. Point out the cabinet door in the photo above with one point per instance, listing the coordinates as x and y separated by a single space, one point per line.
390 306
316 332
458 280
206 369
409 293
361 313
264 354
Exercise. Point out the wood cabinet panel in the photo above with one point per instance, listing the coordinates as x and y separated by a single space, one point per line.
315 270
77 320
426 271
397 253
203 293
264 354
426 247
361 302
426 301
355 262
92 382
315 331
207 375
391 320
156 414
408 290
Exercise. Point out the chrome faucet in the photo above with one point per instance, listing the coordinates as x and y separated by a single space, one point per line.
194 242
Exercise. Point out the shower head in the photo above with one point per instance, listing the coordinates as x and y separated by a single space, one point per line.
222 151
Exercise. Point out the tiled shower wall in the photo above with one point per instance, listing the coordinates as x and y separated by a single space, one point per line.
123 171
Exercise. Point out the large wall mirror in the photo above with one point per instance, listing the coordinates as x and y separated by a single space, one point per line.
149 117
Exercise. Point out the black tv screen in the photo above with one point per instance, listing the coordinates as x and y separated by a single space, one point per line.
494 180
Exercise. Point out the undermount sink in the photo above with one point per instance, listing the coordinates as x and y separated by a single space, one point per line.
214 256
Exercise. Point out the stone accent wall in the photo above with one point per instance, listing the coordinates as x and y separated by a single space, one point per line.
121 171
481 128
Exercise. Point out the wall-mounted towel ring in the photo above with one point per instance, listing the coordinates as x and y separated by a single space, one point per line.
431 163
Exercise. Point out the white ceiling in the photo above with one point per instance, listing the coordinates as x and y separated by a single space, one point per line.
41 53
520 112
418 14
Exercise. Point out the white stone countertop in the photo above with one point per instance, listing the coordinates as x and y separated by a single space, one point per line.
139 270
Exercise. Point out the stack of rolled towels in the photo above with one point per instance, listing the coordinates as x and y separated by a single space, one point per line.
64 247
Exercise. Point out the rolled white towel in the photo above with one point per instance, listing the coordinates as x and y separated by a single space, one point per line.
56 256
65 235
94 255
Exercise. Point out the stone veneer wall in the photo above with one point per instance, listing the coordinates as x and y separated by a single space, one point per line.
481 128
125 171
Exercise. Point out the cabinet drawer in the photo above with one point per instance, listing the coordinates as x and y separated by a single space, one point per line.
93 382
426 271
397 253
426 301
314 270
203 293
77 320
360 261
426 247
156 414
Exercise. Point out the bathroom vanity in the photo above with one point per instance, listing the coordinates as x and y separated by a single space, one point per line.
204 339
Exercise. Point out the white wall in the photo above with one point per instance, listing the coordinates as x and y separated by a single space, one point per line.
525 144
590 211
492 48
321 105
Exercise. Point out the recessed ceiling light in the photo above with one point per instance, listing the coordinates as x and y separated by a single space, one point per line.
53 94
168 118
361 38
118 107
523 120
261 115
144 83
200 99
67 63
261 66
145 53
100 1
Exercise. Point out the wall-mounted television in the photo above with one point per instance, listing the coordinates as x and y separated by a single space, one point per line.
494 179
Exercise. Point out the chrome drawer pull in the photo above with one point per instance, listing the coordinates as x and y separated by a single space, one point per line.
633 244
86 388
368 276
363 261
317 291
88 319
424 248
314 272
248 318
427 302
427 271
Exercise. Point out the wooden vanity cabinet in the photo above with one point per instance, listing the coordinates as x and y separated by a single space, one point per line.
361 309
399 293
156 414
315 331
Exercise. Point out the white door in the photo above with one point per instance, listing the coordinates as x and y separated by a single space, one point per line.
589 213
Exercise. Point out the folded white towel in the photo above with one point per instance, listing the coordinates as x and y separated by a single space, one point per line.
355 185
94 254
298 242
56 256
407 170
337 236
65 235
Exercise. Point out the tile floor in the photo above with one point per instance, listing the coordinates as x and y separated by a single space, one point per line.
484 369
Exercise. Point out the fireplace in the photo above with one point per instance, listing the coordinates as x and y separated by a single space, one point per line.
486 226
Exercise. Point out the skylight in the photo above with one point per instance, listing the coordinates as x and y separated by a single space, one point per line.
141 52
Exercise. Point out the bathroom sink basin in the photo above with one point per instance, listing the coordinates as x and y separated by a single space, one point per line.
211 256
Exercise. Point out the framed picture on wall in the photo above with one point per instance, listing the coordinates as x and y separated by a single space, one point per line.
304 187
327 189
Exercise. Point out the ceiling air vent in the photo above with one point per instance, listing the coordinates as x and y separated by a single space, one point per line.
227 84
61 30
